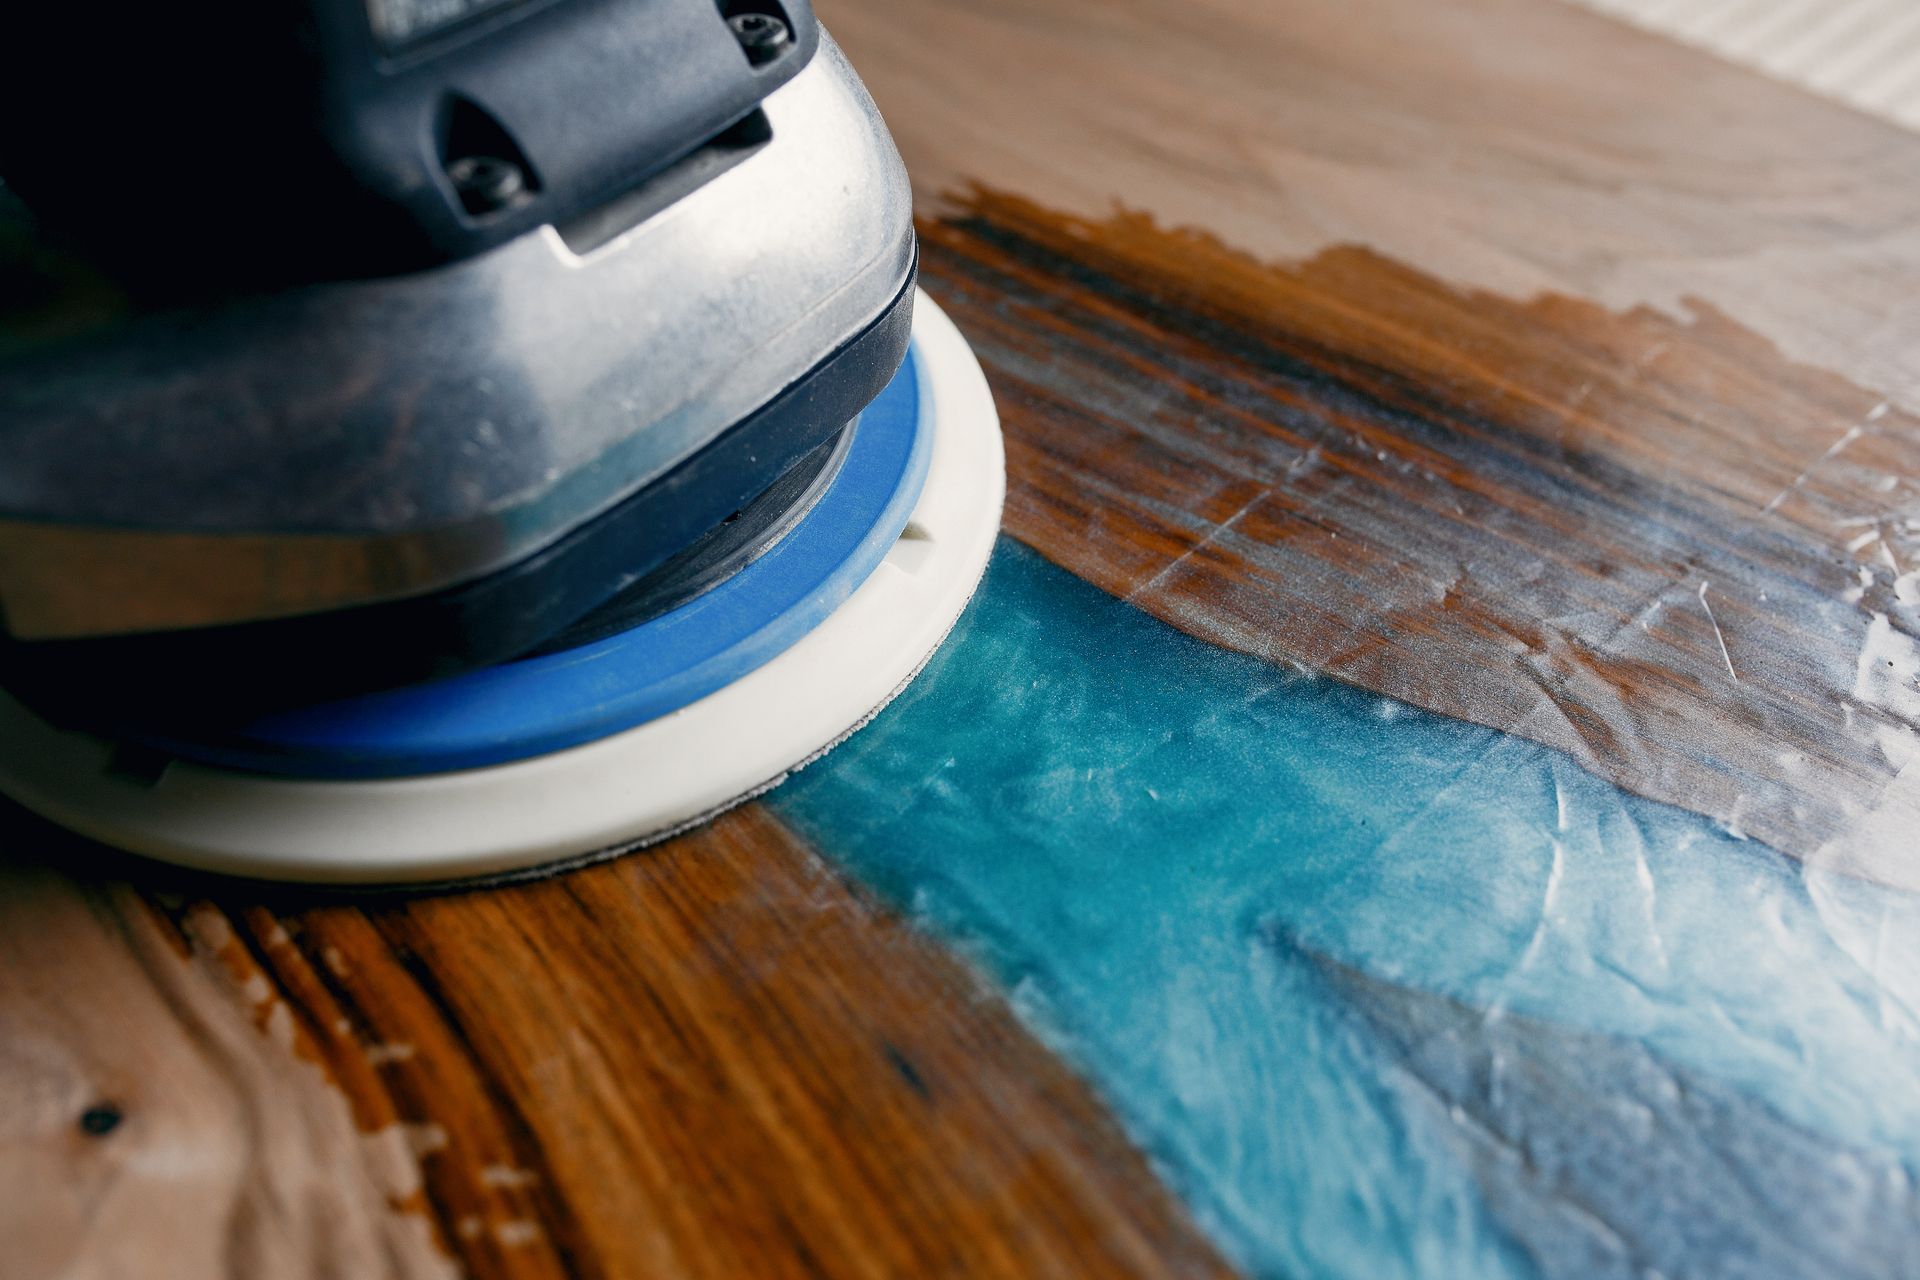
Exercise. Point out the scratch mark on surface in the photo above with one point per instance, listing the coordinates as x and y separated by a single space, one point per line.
1715 624
1549 900
506 1175
1213 535
1846 438
517 1232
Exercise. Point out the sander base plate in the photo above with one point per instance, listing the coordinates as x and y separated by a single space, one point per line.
631 788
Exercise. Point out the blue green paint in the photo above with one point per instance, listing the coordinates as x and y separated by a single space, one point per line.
1384 993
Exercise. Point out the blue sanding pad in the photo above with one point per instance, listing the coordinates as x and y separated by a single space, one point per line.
557 700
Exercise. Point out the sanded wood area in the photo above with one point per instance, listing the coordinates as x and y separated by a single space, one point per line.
1517 146
1865 53
712 1059
1492 356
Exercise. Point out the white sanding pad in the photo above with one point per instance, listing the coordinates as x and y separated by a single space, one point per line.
637 786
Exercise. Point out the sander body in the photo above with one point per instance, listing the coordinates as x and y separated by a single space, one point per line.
448 437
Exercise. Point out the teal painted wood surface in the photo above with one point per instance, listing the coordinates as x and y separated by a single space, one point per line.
1384 993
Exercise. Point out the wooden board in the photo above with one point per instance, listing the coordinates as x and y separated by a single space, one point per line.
1634 538
715 1059
1865 53
1459 376
1490 355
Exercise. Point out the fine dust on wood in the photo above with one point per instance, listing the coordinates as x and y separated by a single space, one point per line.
1498 509
709 1059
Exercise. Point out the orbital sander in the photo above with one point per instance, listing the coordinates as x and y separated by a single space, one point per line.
447 438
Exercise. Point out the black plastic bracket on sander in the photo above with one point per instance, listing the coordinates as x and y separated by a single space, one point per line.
223 142
256 667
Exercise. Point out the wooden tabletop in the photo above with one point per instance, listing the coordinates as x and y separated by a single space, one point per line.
1491 356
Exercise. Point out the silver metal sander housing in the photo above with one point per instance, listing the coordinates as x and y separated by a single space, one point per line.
372 440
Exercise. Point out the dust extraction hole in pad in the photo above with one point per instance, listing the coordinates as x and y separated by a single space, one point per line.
620 740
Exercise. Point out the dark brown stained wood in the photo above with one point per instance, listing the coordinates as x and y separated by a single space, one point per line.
711 1059
1492 356
1652 542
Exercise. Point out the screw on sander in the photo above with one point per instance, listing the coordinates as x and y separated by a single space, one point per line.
486 184
762 35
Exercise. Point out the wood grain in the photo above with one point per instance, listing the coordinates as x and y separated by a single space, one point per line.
713 1059
1653 543
1865 53
1521 362
1515 146
1499 384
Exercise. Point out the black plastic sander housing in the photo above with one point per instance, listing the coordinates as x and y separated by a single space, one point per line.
349 343
234 137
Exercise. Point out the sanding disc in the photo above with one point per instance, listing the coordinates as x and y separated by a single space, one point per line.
781 667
